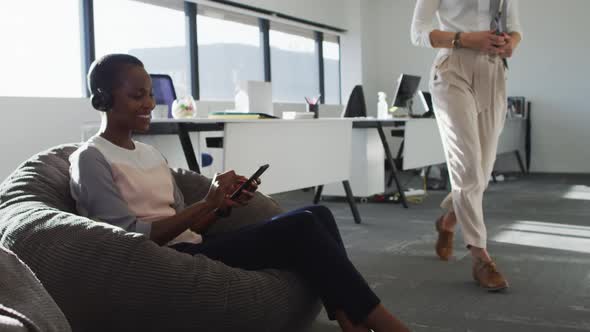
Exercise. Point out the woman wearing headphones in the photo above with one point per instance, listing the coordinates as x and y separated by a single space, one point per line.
117 180
468 86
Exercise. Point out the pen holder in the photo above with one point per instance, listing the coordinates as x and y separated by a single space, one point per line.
313 108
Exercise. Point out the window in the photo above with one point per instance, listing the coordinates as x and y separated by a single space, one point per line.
331 50
229 52
40 49
294 64
154 34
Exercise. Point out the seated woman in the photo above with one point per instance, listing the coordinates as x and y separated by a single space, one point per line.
128 184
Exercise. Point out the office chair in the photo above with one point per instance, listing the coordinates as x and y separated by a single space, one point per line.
163 89
165 94
356 106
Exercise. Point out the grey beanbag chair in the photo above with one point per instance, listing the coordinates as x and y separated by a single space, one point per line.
24 304
105 279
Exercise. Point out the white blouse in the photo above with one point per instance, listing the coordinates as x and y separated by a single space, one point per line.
458 15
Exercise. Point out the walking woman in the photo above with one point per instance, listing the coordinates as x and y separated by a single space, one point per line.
468 86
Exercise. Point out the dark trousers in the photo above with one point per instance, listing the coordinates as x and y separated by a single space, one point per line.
306 241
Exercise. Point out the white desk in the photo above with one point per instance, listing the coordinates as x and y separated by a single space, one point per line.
422 147
301 153
369 149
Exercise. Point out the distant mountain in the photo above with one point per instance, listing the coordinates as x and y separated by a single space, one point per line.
217 79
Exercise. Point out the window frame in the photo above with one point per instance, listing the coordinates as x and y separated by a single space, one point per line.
251 22
191 10
89 39
311 36
333 38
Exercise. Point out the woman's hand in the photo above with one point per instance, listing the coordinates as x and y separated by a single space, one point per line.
199 216
507 50
248 193
485 41
222 186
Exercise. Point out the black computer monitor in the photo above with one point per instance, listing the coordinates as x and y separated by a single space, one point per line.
426 98
407 86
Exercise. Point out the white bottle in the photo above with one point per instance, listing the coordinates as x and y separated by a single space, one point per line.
382 106
242 102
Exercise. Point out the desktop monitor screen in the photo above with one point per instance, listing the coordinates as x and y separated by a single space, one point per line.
426 98
407 85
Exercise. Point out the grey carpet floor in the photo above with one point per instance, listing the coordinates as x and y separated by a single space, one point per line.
539 235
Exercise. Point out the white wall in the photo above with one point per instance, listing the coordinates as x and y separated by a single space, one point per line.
330 12
550 68
351 46
370 47
30 125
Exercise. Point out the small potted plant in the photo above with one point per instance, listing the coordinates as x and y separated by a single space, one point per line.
183 108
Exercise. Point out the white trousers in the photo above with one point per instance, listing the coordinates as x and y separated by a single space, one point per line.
469 98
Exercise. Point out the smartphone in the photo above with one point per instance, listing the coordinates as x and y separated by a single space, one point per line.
246 184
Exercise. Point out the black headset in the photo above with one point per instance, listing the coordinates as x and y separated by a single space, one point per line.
102 96
102 100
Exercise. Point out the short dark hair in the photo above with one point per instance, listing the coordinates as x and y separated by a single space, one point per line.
104 72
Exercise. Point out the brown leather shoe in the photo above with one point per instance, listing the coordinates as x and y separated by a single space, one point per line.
487 276
444 243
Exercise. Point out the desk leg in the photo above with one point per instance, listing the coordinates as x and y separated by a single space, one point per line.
400 190
318 194
351 202
397 160
520 163
187 148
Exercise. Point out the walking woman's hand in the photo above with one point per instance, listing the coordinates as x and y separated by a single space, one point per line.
485 41
507 50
